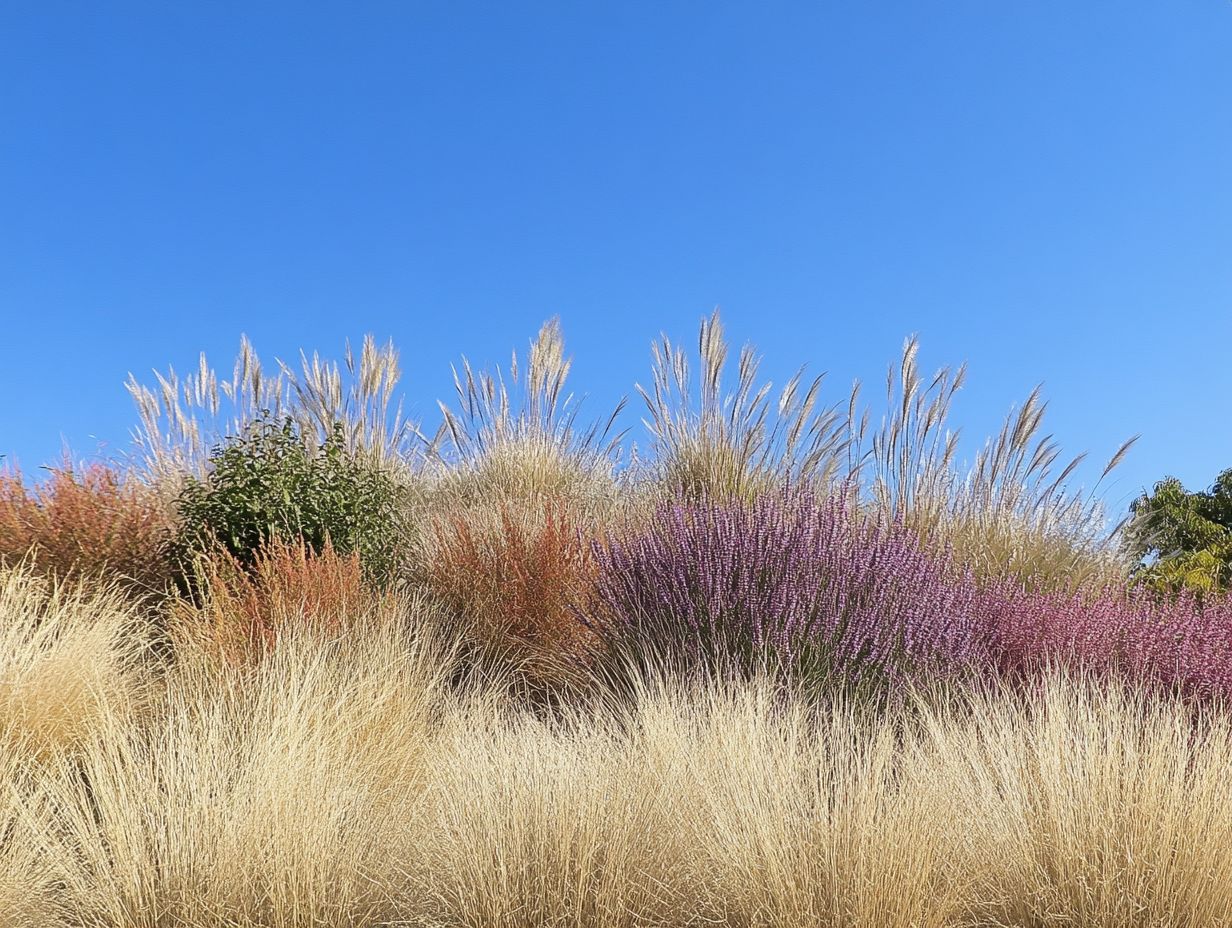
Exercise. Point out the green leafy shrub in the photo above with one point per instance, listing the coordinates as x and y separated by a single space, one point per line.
271 484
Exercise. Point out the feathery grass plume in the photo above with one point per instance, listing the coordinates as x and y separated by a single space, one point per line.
737 442
359 395
272 798
87 521
1012 512
517 437
245 609
514 577
790 579
183 418
69 658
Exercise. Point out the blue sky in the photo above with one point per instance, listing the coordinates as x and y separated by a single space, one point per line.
1043 189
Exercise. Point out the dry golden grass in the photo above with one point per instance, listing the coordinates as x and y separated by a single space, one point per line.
265 796
344 778
342 781
68 660
28 888
1111 809
71 663
528 469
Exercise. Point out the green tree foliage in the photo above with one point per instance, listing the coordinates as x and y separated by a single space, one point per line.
1186 537
272 483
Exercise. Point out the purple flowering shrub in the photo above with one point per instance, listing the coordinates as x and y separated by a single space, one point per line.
796 581
788 579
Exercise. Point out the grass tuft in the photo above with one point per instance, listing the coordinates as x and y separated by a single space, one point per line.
516 581
87 522
713 441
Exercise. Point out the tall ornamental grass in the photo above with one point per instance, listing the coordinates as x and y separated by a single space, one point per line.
1013 511
183 417
513 491
515 436
719 439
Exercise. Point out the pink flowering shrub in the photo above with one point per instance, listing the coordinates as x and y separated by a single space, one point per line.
1182 643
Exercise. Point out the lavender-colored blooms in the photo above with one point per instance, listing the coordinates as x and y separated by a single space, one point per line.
793 577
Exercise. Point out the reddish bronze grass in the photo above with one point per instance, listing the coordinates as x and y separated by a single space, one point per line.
289 589
86 522
516 579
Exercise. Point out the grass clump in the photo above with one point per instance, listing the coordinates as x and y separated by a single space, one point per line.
708 441
1012 512
69 658
516 580
87 521
513 492
516 436
283 795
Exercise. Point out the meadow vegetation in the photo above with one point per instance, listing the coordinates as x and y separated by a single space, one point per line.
297 663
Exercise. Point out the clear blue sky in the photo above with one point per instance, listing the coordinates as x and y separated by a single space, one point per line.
1043 189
